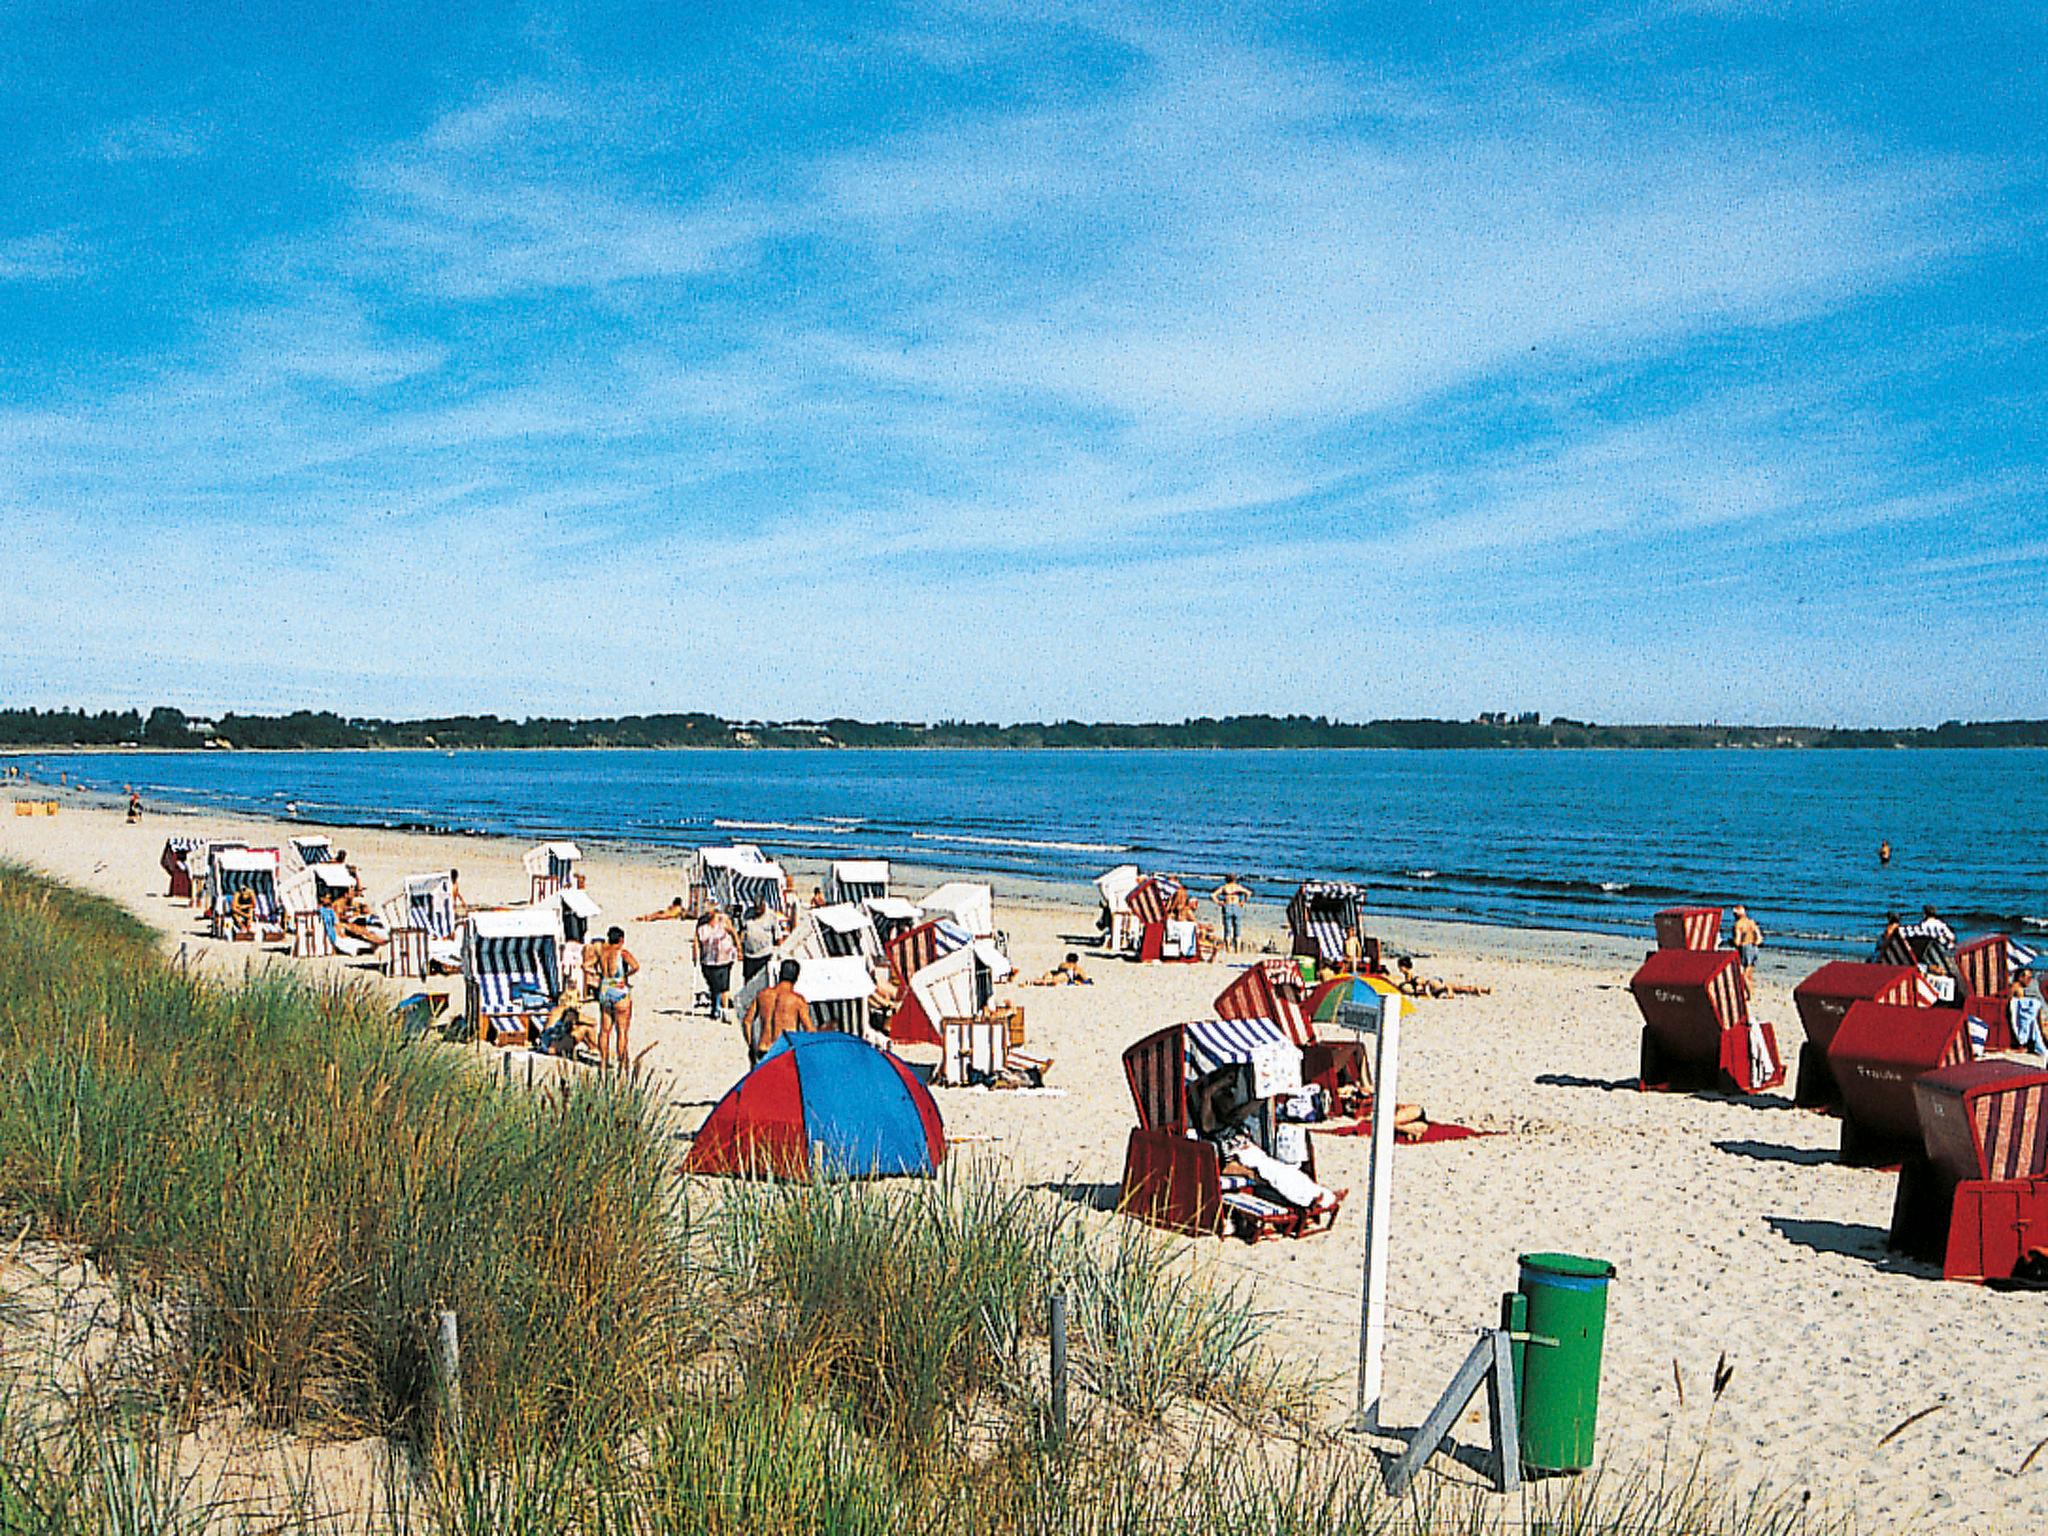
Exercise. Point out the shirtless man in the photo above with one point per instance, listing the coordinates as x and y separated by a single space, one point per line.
1748 939
1231 898
775 1012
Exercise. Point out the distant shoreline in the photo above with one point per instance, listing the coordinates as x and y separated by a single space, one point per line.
132 749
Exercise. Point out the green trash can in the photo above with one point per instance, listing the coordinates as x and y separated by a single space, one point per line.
1557 1373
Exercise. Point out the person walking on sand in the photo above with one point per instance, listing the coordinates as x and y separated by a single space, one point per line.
775 1011
134 807
615 969
1748 939
1231 898
758 938
717 948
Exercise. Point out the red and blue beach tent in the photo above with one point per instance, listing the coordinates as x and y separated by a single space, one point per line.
823 1102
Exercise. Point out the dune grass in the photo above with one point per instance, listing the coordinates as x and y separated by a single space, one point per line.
276 1167
292 1191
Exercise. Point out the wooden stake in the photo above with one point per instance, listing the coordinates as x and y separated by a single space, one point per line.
448 1373
1057 1327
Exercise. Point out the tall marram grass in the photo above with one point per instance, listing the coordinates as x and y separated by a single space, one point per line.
279 1169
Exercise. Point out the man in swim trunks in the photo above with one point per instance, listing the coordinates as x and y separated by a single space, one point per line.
775 1012
1748 939
614 968
1231 898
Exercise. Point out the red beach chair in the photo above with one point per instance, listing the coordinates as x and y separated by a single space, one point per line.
1696 1023
1877 1052
1976 1198
1269 989
907 954
1175 1180
1985 965
174 862
1150 901
1823 998
1688 927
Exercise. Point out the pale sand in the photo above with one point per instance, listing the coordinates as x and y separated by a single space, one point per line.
1732 1226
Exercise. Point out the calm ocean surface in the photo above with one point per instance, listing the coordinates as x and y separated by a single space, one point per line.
1553 839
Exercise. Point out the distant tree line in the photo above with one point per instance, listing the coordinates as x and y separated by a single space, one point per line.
301 729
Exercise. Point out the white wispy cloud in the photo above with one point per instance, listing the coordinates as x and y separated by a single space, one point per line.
153 137
38 258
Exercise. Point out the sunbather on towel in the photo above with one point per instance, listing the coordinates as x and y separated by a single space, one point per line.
672 913
1067 973
1417 985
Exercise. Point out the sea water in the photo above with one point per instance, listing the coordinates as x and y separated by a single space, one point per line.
1573 839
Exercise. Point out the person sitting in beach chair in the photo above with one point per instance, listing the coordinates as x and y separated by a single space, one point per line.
884 1001
242 914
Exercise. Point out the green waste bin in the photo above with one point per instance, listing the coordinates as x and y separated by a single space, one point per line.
1557 1373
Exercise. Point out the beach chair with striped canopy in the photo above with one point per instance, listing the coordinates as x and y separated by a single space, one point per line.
837 988
1175 1180
891 916
857 880
173 859
1269 989
550 867
1824 998
1988 965
843 931
303 895
1975 1197
199 866
1688 927
1697 1032
311 849
956 981
230 870
1322 915
421 921
739 878
968 903
1928 948
511 971
1150 901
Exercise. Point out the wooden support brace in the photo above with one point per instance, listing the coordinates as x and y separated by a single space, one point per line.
1490 1364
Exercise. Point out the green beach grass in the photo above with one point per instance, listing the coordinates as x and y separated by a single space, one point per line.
291 1190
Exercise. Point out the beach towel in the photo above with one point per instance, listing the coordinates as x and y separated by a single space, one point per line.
1439 1130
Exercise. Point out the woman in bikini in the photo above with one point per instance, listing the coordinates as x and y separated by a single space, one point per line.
615 968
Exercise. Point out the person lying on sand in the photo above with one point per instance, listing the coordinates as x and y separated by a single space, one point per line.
672 913
1067 973
1431 986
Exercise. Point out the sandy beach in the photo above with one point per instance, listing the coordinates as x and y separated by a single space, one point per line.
1734 1229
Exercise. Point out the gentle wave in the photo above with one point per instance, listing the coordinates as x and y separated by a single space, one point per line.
772 826
1049 846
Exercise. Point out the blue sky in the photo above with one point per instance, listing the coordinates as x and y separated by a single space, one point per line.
1661 361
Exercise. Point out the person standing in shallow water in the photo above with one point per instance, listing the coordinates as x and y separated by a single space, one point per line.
1884 851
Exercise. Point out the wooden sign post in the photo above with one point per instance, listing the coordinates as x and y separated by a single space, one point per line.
1384 1024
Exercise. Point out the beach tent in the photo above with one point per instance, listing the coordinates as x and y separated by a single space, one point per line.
254 870
550 867
837 988
966 903
957 985
511 972
843 929
311 849
826 1103
1269 989
890 916
177 850
1322 915
739 877
857 880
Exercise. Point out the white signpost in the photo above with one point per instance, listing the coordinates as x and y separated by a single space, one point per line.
1383 1023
